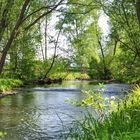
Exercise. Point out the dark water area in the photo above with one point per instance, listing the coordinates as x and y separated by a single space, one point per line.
42 113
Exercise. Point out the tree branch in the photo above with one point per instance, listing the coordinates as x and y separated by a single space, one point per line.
44 14
55 49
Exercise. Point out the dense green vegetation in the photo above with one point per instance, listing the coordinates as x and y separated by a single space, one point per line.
122 123
27 38
70 39
70 76
9 84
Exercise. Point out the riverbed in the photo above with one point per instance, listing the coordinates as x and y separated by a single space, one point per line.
42 113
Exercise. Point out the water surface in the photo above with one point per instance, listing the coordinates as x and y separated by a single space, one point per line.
41 113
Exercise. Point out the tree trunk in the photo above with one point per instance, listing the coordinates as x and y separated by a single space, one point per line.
4 17
55 51
18 23
138 10
12 35
46 45
41 46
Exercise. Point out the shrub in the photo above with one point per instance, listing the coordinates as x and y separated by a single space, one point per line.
8 84
121 124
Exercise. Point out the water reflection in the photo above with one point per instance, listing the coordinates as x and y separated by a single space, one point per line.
43 114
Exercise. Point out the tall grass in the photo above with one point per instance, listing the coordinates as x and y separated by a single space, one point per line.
8 84
121 124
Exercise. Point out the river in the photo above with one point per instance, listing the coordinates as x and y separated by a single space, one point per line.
42 113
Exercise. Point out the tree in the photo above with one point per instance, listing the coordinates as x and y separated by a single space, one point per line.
138 9
78 17
124 28
25 13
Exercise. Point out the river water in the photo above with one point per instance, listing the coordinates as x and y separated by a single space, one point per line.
42 113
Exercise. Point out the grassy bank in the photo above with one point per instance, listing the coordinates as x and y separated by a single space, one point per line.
70 75
9 84
122 124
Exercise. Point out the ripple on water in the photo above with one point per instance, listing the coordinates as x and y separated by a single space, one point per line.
42 113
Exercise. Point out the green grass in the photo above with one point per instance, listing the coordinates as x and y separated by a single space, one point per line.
8 84
70 75
122 124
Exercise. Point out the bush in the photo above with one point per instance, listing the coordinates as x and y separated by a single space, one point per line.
8 84
121 124
70 75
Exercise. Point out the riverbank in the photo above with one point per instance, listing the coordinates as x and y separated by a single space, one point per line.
8 93
10 87
7 86
49 81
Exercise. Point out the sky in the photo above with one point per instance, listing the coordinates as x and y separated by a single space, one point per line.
103 23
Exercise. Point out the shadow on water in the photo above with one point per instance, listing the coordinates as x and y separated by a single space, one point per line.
41 112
